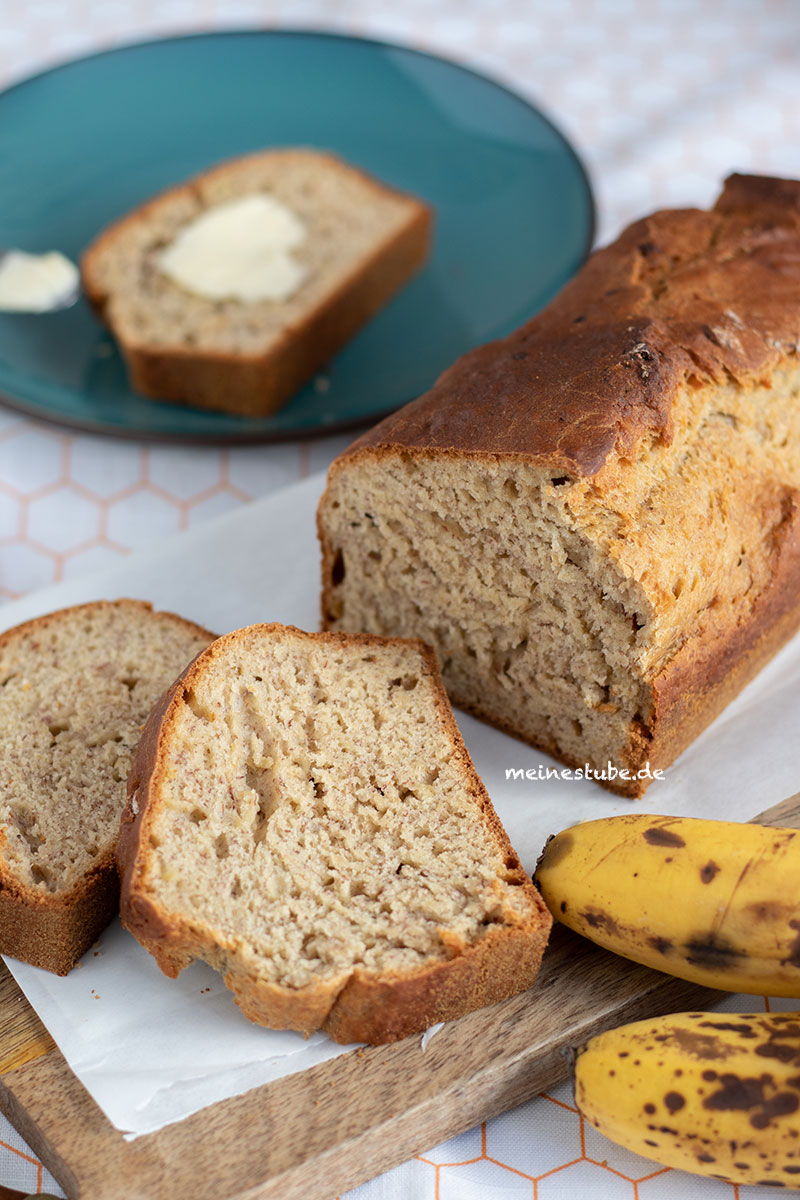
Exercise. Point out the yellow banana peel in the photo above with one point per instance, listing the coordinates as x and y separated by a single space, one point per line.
716 902
713 1093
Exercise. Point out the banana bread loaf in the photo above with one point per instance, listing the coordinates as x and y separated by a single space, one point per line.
304 816
75 689
595 520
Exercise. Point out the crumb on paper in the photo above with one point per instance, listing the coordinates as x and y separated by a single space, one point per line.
428 1034
322 384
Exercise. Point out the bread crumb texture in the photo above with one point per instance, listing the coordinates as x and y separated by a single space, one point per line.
75 690
312 814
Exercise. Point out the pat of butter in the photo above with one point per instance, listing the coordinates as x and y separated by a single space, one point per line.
36 283
240 250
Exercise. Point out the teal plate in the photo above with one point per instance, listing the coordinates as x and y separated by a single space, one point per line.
85 142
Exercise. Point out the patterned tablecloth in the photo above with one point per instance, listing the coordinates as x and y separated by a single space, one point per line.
662 98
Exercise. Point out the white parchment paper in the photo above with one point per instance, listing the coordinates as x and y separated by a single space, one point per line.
152 1050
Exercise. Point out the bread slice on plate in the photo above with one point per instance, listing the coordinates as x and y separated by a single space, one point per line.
353 243
304 816
75 689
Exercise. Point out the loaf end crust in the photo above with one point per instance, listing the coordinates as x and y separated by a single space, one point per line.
54 931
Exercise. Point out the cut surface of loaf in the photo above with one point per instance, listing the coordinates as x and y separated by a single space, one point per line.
304 816
363 241
75 689
595 521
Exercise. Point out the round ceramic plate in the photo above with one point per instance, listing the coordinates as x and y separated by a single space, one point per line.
85 142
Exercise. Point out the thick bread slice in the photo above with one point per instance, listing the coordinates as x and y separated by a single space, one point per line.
596 521
363 241
304 816
75 689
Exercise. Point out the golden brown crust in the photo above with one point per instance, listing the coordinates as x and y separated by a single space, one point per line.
370 1009
712 295
54 931
359 1005
707 297
257 385
706 674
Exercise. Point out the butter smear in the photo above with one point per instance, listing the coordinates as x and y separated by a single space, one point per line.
240 250
36 283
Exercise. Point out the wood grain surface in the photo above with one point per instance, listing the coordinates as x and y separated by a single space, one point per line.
313 1135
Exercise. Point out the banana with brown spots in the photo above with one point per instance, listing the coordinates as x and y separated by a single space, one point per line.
716 902
713 1093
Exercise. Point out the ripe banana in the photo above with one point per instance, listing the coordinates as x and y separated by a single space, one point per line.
713 1093
715 902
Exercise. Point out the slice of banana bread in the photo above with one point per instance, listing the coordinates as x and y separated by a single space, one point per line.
304 816
75 688
359 242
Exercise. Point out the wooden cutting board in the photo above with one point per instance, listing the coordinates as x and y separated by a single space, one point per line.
314 1135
